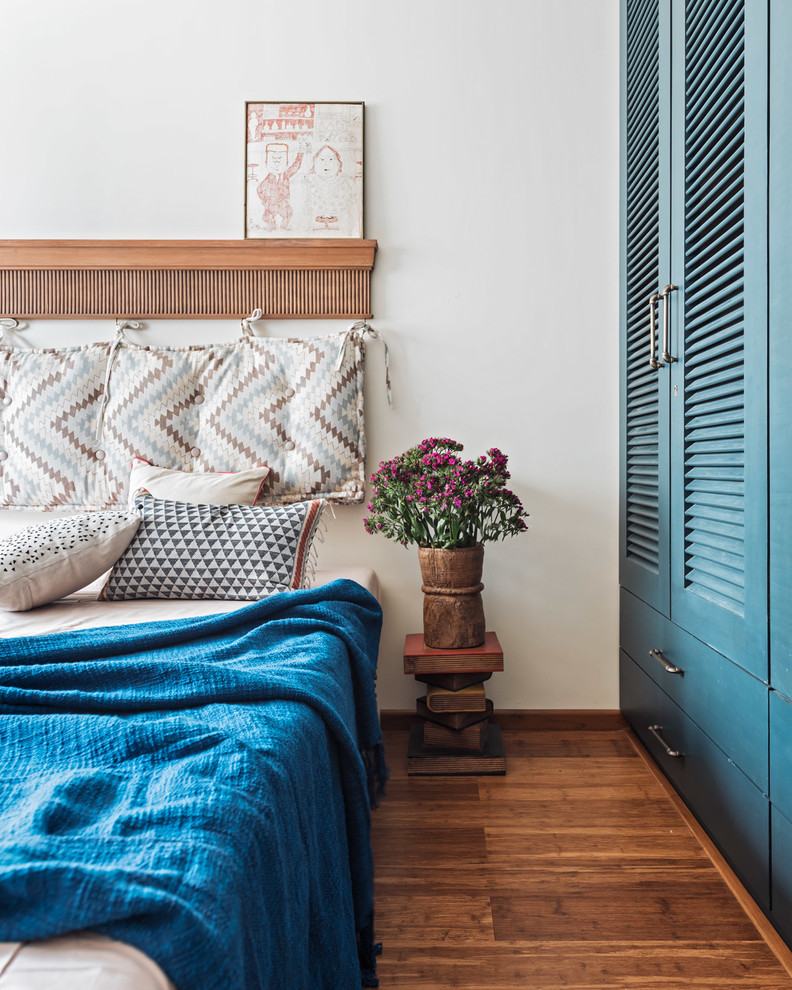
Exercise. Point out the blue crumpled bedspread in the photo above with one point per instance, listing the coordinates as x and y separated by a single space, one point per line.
199 789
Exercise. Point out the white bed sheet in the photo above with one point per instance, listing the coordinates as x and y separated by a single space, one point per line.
85 961
83 610
82 961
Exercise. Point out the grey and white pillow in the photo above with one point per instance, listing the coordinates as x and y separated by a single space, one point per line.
242 552
42 563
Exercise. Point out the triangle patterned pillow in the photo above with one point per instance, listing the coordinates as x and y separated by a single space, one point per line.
242 552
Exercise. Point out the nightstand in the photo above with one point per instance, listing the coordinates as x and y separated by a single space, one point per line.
454 733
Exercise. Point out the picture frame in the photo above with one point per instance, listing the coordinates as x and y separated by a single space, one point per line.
303 169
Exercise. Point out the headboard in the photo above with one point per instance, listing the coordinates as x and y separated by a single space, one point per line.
311 278
72 418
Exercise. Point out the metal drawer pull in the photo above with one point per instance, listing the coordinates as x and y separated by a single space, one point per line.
666 356
654 363
656 732
669 667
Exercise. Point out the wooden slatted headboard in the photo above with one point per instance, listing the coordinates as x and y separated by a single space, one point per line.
287 279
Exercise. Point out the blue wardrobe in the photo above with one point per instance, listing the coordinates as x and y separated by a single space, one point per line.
706 418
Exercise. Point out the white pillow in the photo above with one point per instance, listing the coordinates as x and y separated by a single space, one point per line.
196 487
41 563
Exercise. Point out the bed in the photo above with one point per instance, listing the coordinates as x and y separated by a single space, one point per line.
185 779
185 788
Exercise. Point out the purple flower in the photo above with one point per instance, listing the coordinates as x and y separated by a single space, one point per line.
427 495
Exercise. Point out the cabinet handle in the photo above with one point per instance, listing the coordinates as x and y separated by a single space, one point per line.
666 664
656 731
654 363
666 356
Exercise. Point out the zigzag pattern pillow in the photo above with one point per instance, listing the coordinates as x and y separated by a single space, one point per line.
226 407
243 552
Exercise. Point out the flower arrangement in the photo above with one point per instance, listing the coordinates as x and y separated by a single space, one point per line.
430 496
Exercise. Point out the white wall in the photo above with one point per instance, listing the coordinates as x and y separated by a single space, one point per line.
492 188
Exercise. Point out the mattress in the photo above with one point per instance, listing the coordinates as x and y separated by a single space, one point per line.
86 961
83 610
82 961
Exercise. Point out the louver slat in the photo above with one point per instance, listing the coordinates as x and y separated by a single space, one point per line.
725 213
714 92
699 164
720 282
723 535
642 278
723 253
714 461
709 405
713 322
721 345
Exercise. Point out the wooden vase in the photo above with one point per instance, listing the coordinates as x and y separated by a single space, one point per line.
453 612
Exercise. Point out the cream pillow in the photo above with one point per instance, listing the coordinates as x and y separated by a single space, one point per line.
197 487
41 563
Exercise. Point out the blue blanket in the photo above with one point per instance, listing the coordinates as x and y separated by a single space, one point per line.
199 789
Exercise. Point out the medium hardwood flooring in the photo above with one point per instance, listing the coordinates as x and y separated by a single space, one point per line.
575 871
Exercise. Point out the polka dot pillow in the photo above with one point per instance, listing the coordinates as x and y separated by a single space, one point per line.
42 563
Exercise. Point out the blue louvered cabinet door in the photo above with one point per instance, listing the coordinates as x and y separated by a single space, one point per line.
719 326
780 242
645 257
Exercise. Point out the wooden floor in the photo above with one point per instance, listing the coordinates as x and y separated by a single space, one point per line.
575 871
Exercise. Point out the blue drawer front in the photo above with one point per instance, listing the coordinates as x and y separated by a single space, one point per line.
735 813
781 753
781 885
728 703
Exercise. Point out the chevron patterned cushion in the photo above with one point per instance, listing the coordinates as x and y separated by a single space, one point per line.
45 562
242 552
295 405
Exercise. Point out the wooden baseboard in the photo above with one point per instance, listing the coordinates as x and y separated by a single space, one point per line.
517 718
778 946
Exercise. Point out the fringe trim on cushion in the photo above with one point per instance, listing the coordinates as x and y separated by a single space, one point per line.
303 565
368 950
377 772
319 533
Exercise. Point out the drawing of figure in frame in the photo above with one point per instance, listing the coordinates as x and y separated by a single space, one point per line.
304 166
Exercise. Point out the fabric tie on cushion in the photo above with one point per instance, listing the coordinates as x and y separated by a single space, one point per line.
120 338
361 330
247 323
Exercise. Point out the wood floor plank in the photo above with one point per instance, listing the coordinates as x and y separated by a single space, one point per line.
424 789
411 848
437 918
605 907
544 811
576 870
517 856
542 744
512 843
583 966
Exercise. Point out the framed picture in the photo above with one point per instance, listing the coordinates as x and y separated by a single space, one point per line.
304 169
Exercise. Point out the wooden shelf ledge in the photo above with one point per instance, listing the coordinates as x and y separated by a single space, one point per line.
313 278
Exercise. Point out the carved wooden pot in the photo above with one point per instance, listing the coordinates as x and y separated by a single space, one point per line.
453 612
